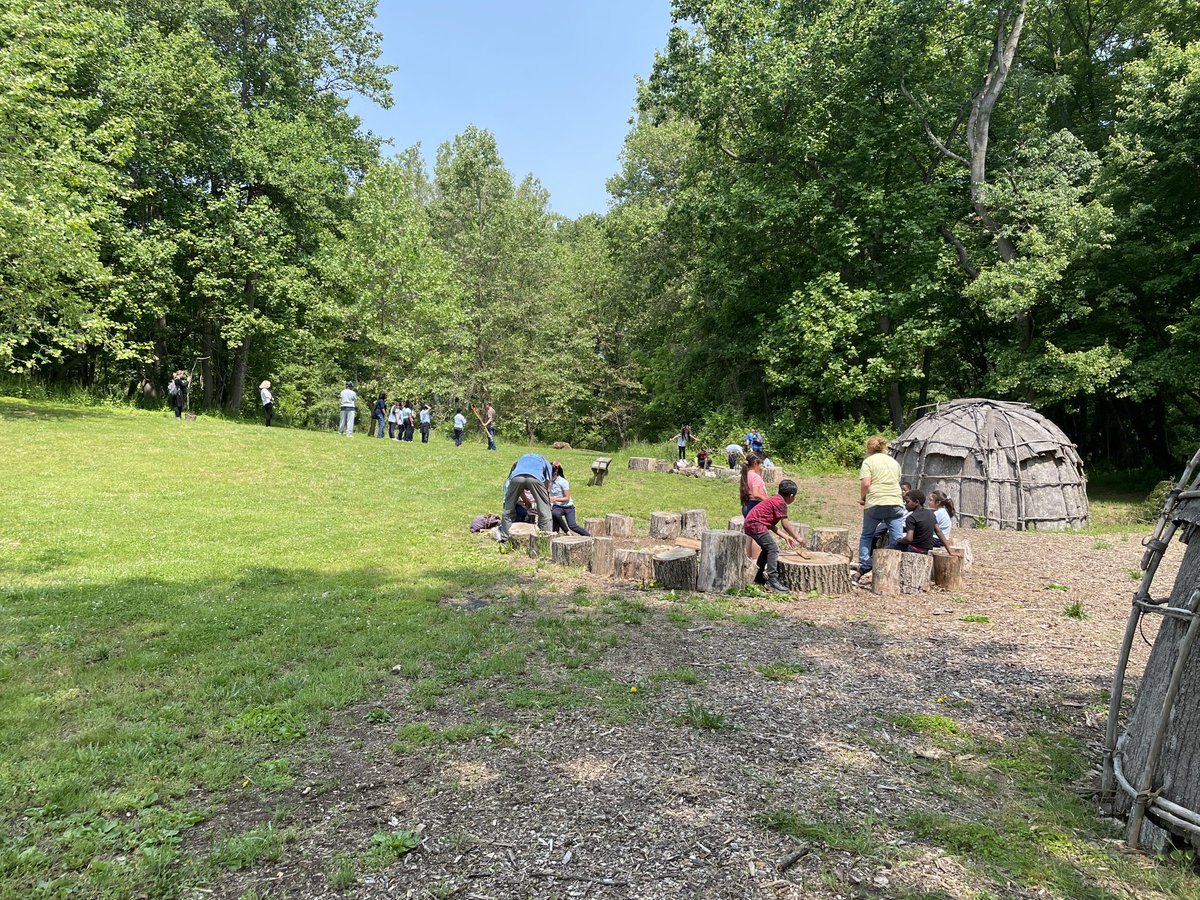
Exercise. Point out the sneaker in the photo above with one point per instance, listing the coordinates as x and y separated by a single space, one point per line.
496 534
775 586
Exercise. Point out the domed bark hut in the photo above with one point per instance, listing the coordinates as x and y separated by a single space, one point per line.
1003 464
1152 771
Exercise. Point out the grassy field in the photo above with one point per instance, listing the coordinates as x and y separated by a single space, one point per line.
180 600
184 609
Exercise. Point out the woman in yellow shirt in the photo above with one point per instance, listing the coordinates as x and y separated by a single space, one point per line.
880 498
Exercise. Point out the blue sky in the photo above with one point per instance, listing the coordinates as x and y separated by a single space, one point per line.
554 81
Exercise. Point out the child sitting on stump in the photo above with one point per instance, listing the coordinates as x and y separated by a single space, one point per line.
921 526
761 522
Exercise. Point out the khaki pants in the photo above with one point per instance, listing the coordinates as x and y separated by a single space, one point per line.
518 485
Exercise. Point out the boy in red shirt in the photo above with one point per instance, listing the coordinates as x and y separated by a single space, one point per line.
764 520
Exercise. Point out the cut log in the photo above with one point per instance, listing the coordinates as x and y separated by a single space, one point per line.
529 539
947 570
830 540
665 526
603 552
641 463
690 543
633 565
574 550
597 527
694 522
721 566
736 523
662 466
825 573
675 570
894 572
619 526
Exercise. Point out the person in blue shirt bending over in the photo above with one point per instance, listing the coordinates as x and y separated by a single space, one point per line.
754 442
529 473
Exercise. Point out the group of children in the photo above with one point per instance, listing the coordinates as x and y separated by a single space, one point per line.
753 443
400 419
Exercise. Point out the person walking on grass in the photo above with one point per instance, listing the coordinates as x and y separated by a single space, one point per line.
763 524
562 506
378 414
348 399
177 392
426 422
529 473
489 424
460 424
268 401
880 498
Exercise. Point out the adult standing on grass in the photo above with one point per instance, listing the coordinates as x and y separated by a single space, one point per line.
762 524
177 392
529 473
426 423
879 496
460 424
489 424
348 399
562 506
378 413
406 422
268 401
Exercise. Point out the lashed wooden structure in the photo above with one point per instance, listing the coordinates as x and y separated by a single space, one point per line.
1003 464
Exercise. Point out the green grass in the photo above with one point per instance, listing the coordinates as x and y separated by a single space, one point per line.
855 839
698 716
181 604
975 617
779 671
1075 611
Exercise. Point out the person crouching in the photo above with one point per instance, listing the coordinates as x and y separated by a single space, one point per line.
762 523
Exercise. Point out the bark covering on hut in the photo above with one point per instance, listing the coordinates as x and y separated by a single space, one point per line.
1003 464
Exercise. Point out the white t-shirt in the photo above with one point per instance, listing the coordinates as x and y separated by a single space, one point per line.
943 520
733 449
460 421
348 398
559 487
266 396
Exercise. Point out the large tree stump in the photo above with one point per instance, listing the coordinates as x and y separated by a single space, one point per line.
603 553
736 523
675 570
947 570
895 572
573 550
694 522
665 526
830 540
633 565
597 527
529 539
825 573
619 526
641 463
721 566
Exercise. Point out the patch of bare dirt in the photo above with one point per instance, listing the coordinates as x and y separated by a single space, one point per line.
572 801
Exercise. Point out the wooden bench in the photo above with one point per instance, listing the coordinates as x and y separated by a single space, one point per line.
599 470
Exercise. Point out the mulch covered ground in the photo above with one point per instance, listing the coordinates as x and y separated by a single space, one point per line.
574 801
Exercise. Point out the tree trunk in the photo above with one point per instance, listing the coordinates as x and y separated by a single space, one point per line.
208 350
619 526
675 570
603 553
824 573
694 523
830 540
633 565
574 550
665 526
948 571
722 566
597 527
736 523
894 572
237 384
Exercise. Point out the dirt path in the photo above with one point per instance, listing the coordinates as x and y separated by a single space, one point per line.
583 788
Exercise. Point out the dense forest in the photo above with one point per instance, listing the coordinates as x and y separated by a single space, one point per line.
826 212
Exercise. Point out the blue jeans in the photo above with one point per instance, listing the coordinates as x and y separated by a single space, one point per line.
491 437
892 517
458 432
382 422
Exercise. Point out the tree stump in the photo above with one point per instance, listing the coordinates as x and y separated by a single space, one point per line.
895 572
633 565
675 570
825 573
662 466
641 463
597 527
772 475
619 526
665 526
574 550
830 540
736 523
947 570
603 553
529 539
694 522
721 566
